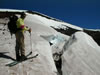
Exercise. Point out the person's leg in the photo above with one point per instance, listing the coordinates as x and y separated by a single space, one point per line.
17 47
22 46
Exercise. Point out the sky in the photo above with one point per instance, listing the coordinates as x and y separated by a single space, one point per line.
82 13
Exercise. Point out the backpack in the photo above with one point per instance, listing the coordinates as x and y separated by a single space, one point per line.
12 24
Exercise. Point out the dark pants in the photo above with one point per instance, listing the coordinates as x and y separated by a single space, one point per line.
20 46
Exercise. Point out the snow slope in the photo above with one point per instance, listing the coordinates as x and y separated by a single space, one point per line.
55 24
42 65
80 53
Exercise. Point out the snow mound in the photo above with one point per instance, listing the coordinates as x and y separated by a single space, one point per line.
81 56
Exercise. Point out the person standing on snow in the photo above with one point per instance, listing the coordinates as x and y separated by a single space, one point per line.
20 45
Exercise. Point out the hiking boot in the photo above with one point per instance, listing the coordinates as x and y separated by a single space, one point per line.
23 58
18 58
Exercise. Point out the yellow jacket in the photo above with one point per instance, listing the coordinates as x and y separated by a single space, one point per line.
20 24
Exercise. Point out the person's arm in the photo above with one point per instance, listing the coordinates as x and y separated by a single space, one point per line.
20 24
24 27
27 29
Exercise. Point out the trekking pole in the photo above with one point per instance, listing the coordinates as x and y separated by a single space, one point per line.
31 44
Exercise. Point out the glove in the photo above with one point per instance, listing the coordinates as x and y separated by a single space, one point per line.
30 30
